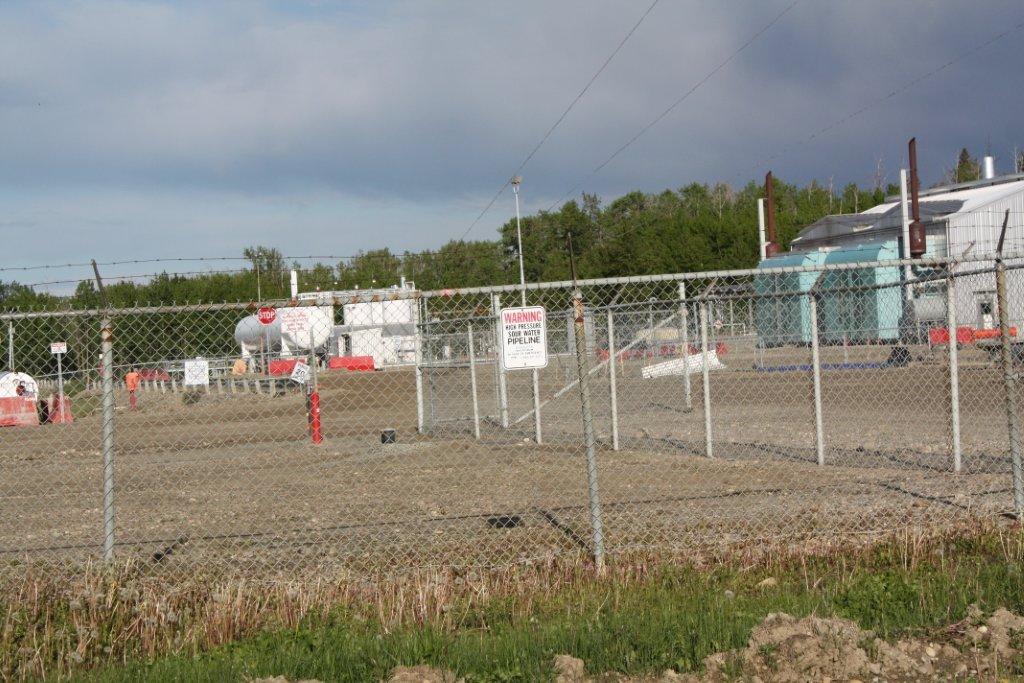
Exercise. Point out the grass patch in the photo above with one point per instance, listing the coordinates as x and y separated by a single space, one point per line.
641 618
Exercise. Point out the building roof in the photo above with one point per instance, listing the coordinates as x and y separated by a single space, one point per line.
937 205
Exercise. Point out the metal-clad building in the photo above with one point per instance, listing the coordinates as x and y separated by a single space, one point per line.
960 220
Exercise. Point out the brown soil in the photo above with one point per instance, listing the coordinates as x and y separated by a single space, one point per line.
234 481
786 649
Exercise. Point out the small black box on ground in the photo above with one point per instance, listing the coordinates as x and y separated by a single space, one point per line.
388 436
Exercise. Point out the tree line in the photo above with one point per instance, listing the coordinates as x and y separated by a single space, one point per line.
695 228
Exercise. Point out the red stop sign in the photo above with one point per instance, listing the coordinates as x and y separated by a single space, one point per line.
266 315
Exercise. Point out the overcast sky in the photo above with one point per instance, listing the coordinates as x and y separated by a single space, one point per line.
178 129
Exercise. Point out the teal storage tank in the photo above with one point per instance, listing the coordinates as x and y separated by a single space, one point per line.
785 319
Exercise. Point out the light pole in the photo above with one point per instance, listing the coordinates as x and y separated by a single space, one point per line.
516 181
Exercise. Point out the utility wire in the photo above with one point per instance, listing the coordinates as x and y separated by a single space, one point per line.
891 94
711 74
906 86
561 118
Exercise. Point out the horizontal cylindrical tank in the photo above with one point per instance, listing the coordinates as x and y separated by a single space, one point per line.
9 382
252 334
294 329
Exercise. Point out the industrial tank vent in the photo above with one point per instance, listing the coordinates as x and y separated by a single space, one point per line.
988 168
917 233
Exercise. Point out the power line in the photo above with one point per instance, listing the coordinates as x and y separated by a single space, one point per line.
336 257
893 93
561 118
906 86
711 74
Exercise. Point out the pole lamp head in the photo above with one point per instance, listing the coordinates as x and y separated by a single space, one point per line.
516 181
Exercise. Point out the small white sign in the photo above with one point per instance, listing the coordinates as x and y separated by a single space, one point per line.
197 373
58 347
524 338
300 373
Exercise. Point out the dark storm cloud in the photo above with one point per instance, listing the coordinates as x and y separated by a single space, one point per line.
391 123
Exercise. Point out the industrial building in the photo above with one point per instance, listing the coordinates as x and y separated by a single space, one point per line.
377 324
961 220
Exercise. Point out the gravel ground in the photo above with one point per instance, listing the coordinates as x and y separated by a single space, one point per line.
233 480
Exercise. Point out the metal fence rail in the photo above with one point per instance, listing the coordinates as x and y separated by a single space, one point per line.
384 432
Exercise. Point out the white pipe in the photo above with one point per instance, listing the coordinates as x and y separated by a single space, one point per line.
988 168
760 229
295 284
905 215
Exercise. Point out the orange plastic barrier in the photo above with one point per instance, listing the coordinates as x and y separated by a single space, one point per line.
19 411
940 335
60 410
993 333
965 335
282 366
355 363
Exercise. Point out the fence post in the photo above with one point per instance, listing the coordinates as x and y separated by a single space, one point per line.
498 362
1010 383
107 347
579 334
536 407
472 383
708 441
316 428
819 425
685 327
418 345
612 387
10 345
954 371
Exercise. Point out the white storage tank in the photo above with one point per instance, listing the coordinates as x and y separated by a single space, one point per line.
10 381
294 330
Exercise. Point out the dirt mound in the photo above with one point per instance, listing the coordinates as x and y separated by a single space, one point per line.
787 649
784 648
422 674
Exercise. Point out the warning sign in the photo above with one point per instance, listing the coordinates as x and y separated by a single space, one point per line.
524 338
197 373
300 373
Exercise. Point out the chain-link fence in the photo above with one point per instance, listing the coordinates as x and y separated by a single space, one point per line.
377 430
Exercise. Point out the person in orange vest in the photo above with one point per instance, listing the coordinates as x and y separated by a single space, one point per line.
131 382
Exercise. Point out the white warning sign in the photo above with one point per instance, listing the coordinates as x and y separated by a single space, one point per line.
197 373
300 373
524 338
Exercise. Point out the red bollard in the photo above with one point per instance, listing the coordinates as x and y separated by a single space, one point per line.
314 412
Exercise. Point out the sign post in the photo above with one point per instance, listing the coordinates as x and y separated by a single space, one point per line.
266 315
524 338
59 349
